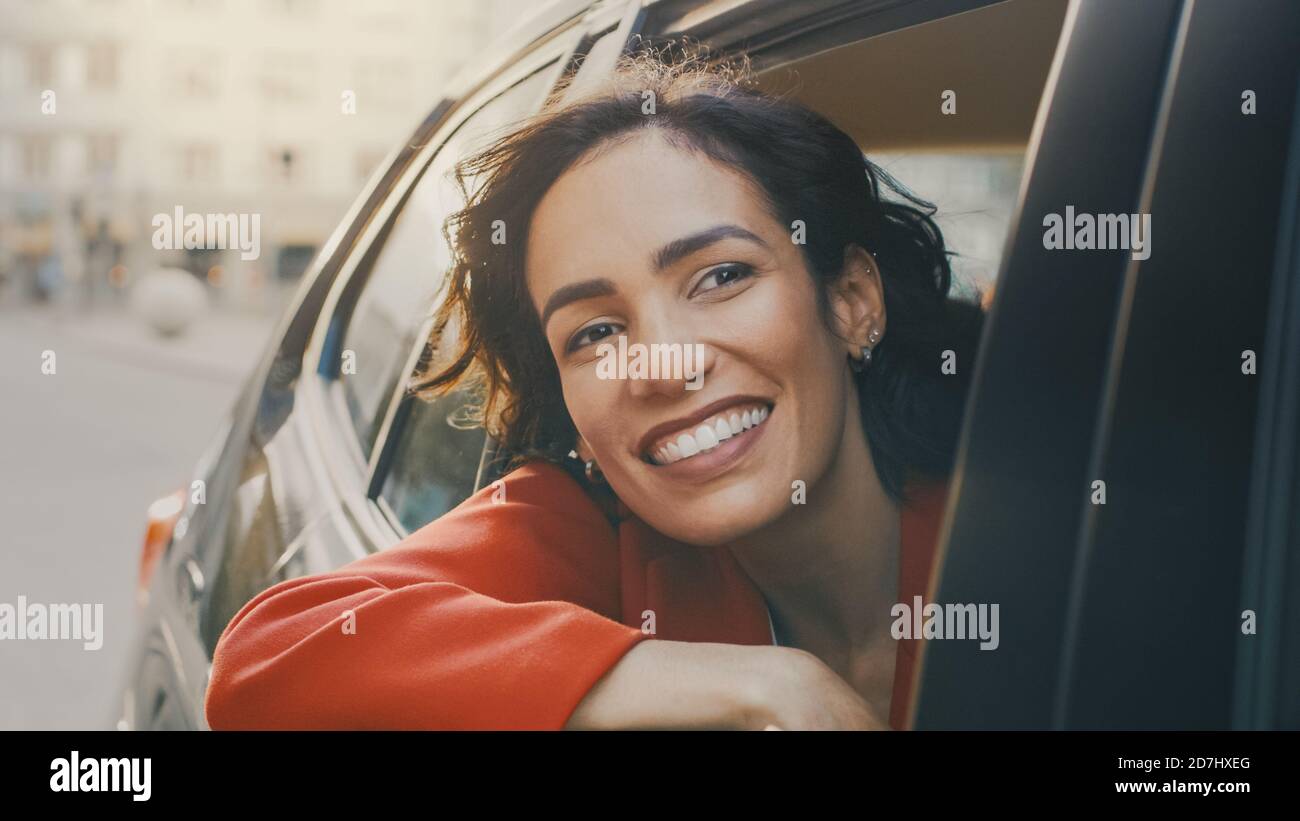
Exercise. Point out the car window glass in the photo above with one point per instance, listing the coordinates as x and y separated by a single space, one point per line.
401 283
435 463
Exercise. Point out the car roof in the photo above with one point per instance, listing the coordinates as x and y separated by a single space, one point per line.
523 36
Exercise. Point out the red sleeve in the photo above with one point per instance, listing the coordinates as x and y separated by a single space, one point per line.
497 615
921 521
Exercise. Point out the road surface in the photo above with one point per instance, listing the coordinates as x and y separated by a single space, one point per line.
83 451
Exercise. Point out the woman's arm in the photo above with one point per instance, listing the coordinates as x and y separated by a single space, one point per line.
494 616
700 685
348 652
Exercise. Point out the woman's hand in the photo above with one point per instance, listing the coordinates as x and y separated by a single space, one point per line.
701 685
800 692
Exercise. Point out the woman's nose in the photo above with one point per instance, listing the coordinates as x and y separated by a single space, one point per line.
661 365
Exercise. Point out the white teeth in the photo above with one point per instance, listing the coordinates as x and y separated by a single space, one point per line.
687 444
708 436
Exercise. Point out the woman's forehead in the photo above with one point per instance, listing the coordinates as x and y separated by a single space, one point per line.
626 201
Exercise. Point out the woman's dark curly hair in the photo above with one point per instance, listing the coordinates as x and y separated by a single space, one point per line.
808 168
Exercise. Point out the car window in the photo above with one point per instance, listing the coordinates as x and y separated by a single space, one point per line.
402 279
435 461
975 197
956 130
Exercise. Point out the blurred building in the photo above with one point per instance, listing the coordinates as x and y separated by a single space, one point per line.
112 111
975 193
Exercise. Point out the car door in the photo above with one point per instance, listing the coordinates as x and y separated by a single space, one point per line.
390 466
378 316
1113 494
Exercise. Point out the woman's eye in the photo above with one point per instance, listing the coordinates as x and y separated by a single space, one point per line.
723 275
592 334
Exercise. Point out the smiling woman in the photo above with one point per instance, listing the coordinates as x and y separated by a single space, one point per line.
588 183
789 501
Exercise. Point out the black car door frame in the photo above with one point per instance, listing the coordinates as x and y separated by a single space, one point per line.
1096 607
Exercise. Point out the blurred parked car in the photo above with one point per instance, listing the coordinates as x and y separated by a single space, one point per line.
1094 366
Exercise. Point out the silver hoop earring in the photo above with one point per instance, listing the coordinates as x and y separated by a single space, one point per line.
860 364
593 472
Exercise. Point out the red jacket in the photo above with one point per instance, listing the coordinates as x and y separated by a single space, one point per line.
498 615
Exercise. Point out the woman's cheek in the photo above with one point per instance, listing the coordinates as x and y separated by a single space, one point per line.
773 326
592 407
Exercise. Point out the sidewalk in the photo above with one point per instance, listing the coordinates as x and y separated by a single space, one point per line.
220 346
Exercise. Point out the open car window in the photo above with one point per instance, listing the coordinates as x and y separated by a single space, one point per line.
403 276
945 107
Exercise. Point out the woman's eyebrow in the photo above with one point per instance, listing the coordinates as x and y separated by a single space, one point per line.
684 247
672 252
575 292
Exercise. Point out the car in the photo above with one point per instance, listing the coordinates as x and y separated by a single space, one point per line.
1126 484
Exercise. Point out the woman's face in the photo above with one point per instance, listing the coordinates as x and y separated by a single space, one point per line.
664 246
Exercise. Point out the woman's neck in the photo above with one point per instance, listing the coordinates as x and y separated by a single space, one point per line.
829 569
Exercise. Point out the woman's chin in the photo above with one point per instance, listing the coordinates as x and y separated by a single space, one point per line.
717 518
713 534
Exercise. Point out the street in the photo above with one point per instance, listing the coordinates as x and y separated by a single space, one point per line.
83 451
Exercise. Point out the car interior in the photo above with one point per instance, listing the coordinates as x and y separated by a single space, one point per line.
968 162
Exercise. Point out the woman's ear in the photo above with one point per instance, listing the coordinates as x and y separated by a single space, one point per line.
857 301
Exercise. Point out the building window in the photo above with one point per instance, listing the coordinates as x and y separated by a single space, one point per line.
101 66
284 164
37 157
287 78
195 76
101 154
40 66
198 162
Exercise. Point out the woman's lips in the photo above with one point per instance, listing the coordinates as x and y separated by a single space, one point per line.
692 441
707 464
